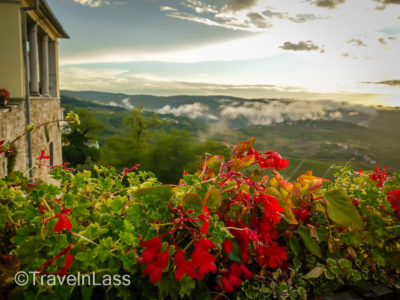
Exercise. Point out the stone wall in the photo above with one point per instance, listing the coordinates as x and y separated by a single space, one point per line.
47 138
12 123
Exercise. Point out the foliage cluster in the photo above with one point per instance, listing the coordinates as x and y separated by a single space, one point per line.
217 234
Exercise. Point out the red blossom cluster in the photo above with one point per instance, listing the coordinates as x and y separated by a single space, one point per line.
394 199
248 212
63 221
270 160
232 279
202 262
379 175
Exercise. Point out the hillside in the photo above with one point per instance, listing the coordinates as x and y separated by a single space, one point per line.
322 134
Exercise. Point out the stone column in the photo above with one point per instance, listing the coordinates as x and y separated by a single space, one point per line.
44 75
52 68
33 60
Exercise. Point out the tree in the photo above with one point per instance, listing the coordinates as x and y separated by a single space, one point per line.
80 141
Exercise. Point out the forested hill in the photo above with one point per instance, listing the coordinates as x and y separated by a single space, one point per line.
313 134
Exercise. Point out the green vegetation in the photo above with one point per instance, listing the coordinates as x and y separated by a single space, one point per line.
310 144
216 233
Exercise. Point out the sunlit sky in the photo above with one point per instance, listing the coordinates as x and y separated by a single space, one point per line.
295 49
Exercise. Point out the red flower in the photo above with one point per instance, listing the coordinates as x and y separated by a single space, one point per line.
63 221
42 156
301 214
126 171
183 266
42 209
394 199
63 271
246 272
68 261
271 256
154 269
205 219
227 285
154 260
232 279
153 249
202 259
228 246
379 175
64 167
273 160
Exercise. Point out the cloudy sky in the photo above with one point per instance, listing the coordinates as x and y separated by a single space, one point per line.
298 49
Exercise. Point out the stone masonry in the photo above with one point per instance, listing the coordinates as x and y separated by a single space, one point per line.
47 138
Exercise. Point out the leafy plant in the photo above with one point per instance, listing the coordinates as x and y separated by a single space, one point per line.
218 233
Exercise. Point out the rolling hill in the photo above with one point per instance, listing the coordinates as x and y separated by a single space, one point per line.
313 134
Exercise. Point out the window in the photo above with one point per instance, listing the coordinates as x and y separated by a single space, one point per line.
51 147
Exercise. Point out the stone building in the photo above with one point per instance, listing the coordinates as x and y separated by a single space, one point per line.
29 32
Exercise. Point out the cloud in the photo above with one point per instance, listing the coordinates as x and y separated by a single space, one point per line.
300 46
348 55
267 112
192 111
237 5
301 18
395 82
126 103
200 7
258 20
167 8
357 42
277 111
93 3
382 41
330 4
384 3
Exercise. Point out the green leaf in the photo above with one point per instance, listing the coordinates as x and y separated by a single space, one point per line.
329 275
4 213
315 273
241 163
213 199
302 293
244 146
294 245
310 244
345 264
355 275
163 192
187 286
193 201
117 203
214 163
236 254
341 209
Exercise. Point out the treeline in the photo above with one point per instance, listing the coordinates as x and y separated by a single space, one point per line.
165 151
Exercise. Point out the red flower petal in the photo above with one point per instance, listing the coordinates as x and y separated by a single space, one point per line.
227 286
228 246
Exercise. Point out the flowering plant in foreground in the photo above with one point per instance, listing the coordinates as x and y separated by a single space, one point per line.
217 234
